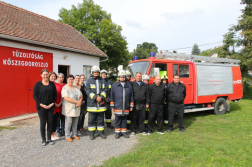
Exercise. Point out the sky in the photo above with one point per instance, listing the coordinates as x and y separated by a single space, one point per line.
170 24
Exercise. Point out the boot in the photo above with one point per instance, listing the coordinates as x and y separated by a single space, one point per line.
117 136
125 135
91 137
102 136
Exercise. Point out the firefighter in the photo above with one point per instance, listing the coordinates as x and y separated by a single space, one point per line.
164 81
122 104
96 104
146 80
176 94
108 112
128 76
156 95
141 102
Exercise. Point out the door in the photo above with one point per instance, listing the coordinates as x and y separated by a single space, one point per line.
64 70
20 69
186 77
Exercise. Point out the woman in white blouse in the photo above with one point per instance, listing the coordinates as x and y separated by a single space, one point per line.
72 99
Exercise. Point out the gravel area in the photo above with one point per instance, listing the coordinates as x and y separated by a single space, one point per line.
21 147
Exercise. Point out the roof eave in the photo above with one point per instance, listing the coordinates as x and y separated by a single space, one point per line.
49 45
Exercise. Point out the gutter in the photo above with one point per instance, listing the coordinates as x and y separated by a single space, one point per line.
51 46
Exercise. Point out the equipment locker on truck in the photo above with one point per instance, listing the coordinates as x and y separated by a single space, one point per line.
211 83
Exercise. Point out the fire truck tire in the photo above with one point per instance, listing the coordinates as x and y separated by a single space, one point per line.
220 106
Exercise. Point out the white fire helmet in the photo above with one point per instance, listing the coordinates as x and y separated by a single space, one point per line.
104 71
128 73
95 69
122 73
146 77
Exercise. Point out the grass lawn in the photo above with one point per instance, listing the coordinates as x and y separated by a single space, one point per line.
6 127
210 140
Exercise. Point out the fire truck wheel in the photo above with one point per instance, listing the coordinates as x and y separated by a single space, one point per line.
220 107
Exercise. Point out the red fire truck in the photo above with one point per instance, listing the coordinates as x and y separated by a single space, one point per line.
211 83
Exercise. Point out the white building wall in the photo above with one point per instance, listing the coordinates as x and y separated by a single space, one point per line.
75 61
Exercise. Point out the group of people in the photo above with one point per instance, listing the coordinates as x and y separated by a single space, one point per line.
135 104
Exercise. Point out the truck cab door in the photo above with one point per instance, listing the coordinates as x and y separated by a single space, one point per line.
185 72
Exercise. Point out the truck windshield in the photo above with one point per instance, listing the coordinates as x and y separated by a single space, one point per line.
141 67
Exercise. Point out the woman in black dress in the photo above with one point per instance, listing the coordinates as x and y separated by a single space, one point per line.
45 94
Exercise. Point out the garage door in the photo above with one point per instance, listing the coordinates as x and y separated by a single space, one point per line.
20 70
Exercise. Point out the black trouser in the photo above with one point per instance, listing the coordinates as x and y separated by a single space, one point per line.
61 124
155 109
173 109
46 116
108 114
138 116
55 121
147 110
96 119
120 124
166 114
81 117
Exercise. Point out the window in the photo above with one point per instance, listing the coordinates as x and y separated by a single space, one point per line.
87 72
141 67
162 69
182 70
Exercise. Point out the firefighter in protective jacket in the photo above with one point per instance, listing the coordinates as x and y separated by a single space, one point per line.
108 112
96 104
128 76
122 104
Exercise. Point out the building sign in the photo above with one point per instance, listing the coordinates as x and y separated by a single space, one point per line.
20 70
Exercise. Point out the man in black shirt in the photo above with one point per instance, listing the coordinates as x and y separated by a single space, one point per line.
156 95
141 102
176 95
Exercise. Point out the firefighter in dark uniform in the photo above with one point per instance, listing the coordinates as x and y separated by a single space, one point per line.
146 80
108 112
141 102
156 95
128 77
96 104
122 104
176 94
164 81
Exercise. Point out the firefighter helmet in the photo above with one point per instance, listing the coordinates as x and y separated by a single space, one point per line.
104 71
164 77
146 77
95 69
128 73
122 73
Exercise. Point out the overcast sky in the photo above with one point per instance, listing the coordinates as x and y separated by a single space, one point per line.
170 24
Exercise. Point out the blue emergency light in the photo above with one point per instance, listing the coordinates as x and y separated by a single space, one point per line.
136 57
152 54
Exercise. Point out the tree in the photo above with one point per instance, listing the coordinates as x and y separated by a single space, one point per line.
195 50
96 25
219 50
240 35
143 50
175 51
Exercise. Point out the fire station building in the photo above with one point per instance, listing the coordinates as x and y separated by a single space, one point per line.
29 43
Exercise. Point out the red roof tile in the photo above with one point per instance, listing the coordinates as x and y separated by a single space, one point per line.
20 23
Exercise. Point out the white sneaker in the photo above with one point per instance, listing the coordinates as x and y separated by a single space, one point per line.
132 134
161 133
143 133
54 138
78 133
